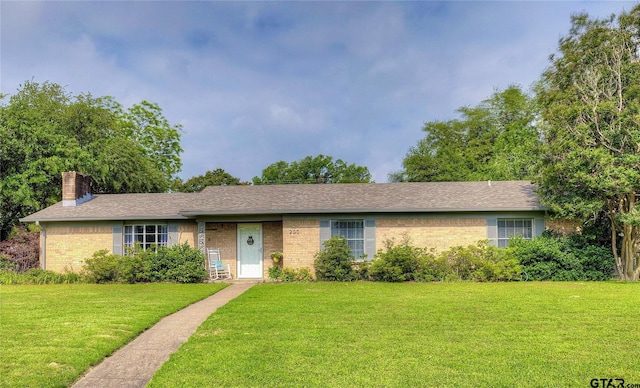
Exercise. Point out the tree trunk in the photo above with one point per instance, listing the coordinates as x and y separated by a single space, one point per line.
613 205
628 250
627 253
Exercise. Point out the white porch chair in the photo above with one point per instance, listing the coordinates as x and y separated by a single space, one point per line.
217 270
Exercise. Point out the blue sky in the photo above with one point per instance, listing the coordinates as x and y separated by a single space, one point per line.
253 83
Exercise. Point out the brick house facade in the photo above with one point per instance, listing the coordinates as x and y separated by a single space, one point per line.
247 223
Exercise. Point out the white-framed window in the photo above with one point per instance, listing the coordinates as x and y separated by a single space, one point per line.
353 231
508 227
146 236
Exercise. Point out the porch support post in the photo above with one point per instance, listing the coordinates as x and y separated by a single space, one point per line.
201 236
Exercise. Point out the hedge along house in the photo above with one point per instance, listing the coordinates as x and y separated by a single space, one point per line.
247 223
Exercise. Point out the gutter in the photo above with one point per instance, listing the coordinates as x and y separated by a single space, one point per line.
43 246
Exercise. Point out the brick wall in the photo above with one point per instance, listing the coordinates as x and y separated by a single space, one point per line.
297 238
272 242
301 241
438 233
188 233
224 237
564 227
68 246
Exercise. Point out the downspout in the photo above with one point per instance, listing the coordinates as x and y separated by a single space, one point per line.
43 246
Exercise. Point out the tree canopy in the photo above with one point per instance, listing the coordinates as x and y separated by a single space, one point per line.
217 177
590 100
45 131
496 140
318 169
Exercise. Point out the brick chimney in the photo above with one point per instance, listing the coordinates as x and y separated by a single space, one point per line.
76 188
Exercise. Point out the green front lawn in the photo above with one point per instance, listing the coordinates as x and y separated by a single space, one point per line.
395 335
51 334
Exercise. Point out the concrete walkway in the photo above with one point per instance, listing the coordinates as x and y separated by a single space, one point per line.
135 363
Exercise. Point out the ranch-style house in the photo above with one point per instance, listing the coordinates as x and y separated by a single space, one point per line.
247 223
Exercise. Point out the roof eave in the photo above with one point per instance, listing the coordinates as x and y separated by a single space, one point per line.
197 213
126 218
191 214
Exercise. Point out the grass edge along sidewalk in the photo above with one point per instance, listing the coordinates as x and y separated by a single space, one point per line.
412 334
51 334
134 364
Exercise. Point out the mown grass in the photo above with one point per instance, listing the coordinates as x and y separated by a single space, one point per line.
50 334
392 335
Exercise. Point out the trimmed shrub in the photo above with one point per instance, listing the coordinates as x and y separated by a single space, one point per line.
275 272
481 262
304 275
102 267
135 268
179 263
402 262
551 257
362 269
597 261
335 261
290 274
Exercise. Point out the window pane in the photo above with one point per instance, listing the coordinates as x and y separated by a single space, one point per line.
513 227
162 235
353 231
146 236
527 231
357 248
128 236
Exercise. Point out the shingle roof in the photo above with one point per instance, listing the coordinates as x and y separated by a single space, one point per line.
304 199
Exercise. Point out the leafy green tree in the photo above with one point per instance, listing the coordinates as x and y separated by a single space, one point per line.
318 169
496 140
147 126
590 101
217 177
45 131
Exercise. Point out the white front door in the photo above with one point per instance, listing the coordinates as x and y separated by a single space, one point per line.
250 251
